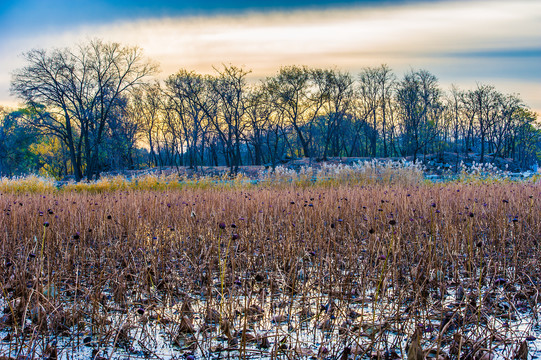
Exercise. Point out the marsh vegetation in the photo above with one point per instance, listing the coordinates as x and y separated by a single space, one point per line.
324 270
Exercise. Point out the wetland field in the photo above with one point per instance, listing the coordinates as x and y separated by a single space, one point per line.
324 271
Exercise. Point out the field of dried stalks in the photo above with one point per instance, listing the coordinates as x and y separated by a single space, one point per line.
328 271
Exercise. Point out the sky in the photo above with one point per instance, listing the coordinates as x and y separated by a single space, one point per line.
461 42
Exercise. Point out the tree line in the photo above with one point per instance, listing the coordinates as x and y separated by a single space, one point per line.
95 108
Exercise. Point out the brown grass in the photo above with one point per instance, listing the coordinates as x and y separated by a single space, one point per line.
267 272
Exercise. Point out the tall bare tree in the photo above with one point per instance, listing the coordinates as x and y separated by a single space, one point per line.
297 95
145 108
337 91
369 95
230 89
80 87
189 98
258 112
418 97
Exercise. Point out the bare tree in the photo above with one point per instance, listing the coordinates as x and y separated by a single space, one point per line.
526 137
369 94
484 101
145 108
418 98
230 88
297 95
189 98
508 106
80 88
386 80
122 134
338 94
258 112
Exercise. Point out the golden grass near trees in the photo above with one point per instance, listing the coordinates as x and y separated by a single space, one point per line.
381 270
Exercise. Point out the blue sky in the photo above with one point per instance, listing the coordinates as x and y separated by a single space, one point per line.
462 42
28 15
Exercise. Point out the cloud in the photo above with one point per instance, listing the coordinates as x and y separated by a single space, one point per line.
456 40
